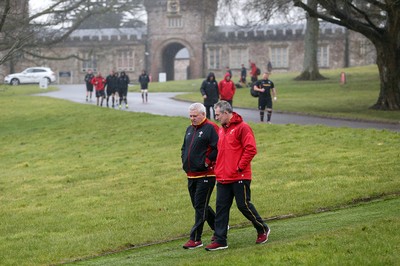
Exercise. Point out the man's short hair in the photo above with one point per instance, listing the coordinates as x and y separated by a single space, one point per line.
197 107
224 106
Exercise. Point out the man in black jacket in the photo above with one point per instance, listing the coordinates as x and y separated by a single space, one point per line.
112 86
209 91
89 86
199 152
144 80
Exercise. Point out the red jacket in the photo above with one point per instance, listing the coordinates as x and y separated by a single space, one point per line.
253 71
236 149
99 83
226 88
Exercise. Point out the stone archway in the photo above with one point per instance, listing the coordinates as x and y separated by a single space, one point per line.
165 57
168 58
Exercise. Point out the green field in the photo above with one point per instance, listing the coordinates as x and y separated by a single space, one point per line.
78 182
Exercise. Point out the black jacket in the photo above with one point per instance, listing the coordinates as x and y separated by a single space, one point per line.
123 81
209 87
199 149
112 82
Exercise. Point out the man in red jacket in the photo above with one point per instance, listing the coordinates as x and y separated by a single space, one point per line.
99 84
236 149
226 89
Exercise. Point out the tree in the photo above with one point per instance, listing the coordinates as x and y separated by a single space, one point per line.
310 63
378 21
22 32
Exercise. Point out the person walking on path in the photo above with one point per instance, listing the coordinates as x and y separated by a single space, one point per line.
227 89
198 153
99 82
144 81
209 91
89 86
236 149
267 92
112 85
123 82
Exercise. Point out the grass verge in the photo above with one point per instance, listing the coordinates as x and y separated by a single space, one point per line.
362 235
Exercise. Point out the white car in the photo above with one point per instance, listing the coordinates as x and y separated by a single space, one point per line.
31 75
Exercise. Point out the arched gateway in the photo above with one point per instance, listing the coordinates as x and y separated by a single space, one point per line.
173 25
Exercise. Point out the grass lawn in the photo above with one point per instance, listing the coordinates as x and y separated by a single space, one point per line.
361 235
78 181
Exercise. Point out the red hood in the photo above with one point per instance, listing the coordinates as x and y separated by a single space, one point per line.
227 75
236 119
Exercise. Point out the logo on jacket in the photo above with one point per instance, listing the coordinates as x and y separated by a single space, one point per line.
200 134
232 131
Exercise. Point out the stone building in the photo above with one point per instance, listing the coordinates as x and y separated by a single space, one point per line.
186 27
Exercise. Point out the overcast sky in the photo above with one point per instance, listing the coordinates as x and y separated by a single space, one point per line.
39 5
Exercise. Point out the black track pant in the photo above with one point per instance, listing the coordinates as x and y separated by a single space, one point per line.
200 190
239 190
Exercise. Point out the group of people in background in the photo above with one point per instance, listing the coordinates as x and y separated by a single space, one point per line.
114 86
213 91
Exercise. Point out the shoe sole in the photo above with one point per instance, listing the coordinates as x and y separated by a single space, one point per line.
193 247
219 248
265 241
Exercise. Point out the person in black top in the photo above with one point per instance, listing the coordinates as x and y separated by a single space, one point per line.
123 82
144 80
267 92
243 75
112 85
209 91
89 86
198 153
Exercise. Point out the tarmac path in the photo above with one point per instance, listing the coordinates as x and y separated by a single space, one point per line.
164 104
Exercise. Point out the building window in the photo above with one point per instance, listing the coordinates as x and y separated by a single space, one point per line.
125 60
237 57
214 57
89 62
175 22
323 56
279 57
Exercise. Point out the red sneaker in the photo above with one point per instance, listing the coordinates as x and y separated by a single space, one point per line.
215 246
262 238
192 244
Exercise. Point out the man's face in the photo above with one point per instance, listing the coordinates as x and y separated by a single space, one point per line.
196 117
223 118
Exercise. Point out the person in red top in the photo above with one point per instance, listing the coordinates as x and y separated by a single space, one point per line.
236 148
99 84
253 71
226 89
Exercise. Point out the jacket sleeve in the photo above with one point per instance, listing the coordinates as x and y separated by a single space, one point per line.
203 89
212 156
249 147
